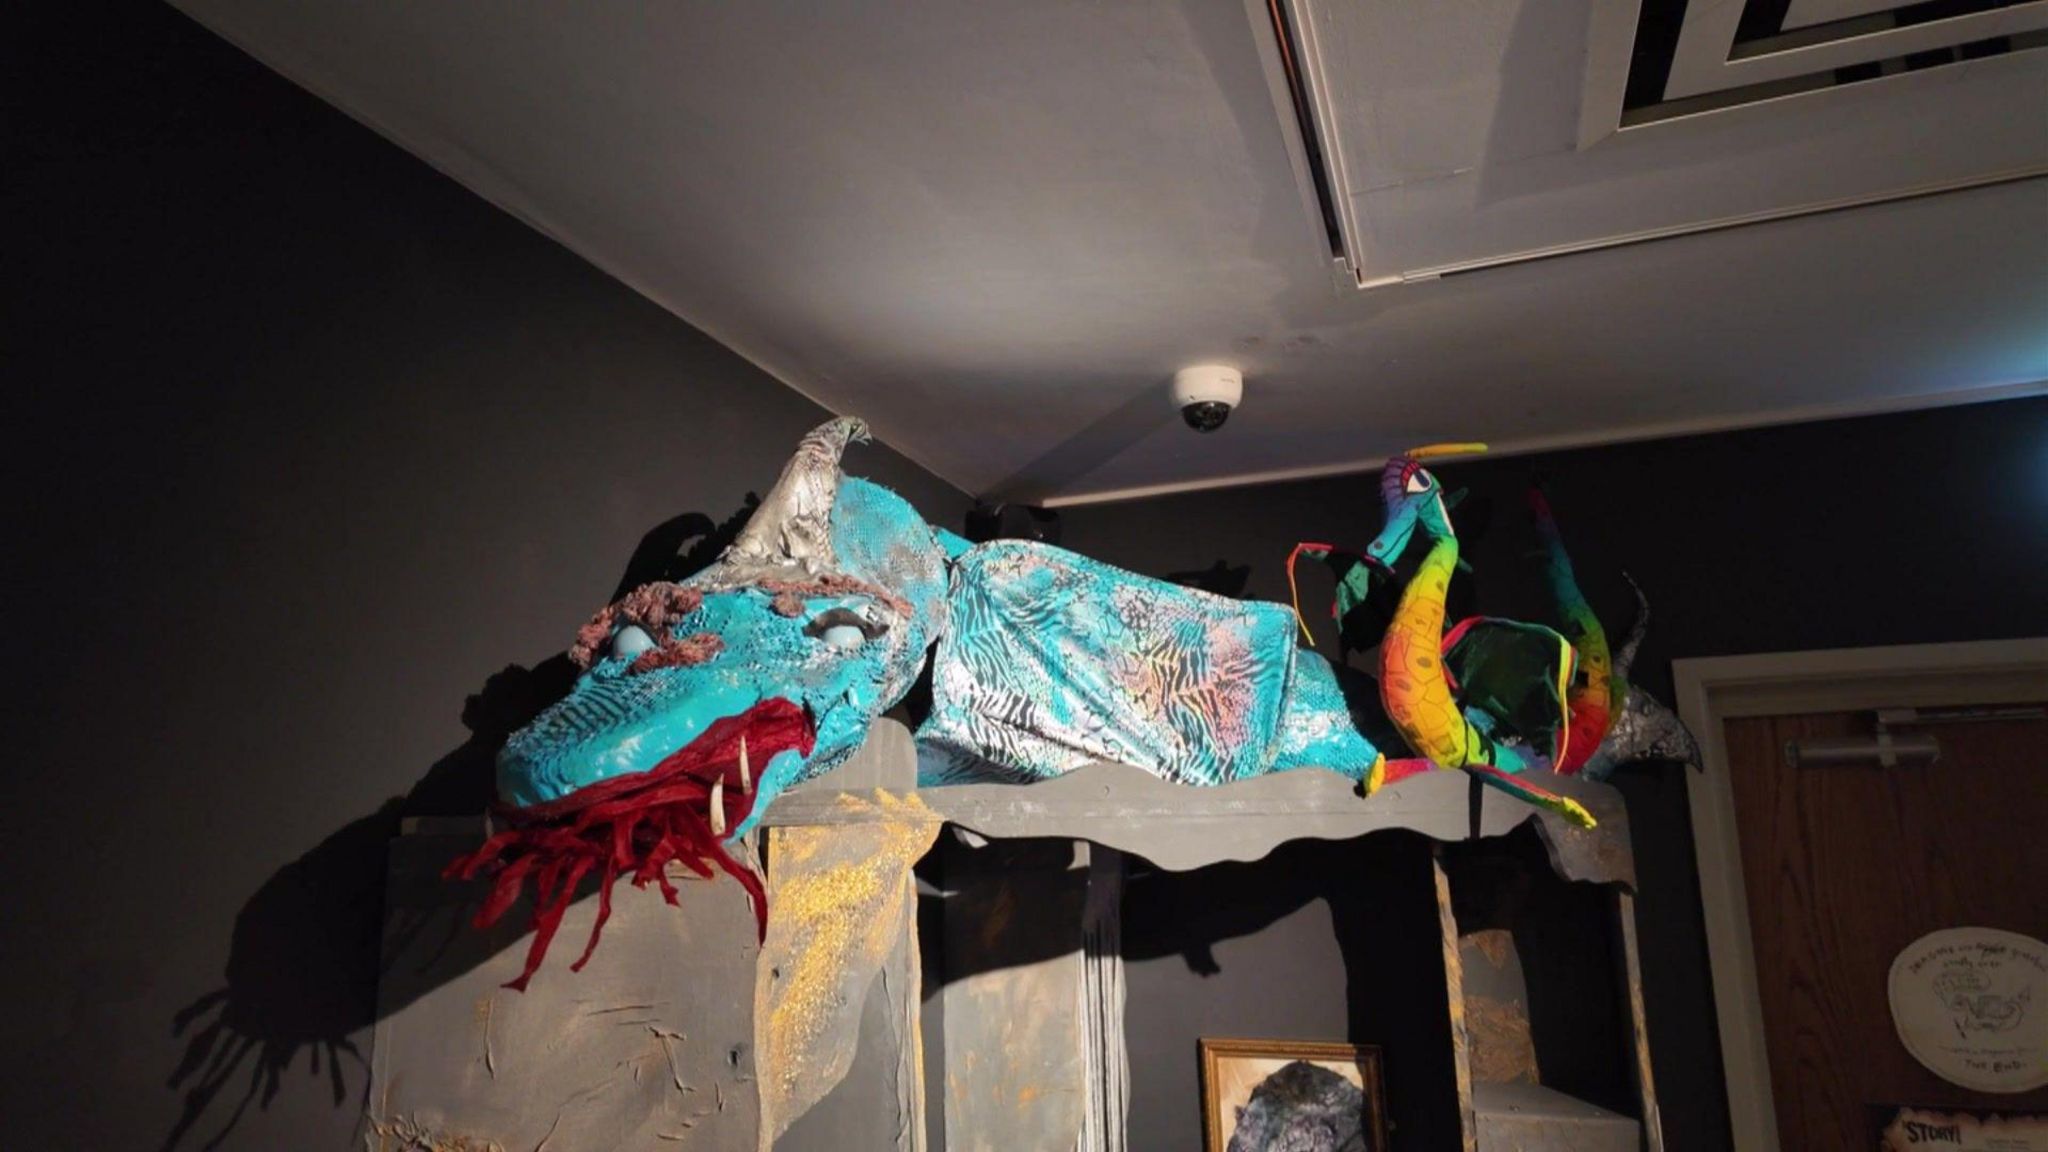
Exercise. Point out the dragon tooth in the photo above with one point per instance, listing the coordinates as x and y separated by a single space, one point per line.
718 807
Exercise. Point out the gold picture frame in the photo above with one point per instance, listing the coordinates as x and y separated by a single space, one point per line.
1233 1068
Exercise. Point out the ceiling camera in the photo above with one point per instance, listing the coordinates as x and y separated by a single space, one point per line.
1205 394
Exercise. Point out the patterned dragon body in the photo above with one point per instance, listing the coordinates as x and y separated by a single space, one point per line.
701 701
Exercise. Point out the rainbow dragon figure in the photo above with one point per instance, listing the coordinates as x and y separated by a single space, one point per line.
1572 707
1489 696
701 701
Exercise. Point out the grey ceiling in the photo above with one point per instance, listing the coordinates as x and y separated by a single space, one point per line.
994 230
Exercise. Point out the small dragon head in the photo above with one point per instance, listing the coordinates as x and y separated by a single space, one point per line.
1413 498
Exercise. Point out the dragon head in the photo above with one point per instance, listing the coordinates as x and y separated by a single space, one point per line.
1413 499
701 701
826 601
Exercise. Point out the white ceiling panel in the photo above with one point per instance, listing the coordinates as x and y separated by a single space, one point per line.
996 230
1506 139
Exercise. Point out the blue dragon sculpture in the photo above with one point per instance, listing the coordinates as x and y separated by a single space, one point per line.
700 701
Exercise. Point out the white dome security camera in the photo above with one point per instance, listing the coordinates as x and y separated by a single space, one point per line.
1205 394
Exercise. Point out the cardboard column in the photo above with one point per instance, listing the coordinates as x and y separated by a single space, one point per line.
651 1045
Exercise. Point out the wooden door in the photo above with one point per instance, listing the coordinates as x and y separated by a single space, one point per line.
1845 865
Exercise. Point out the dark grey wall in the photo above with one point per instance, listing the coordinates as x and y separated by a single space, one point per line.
1917 528
304 443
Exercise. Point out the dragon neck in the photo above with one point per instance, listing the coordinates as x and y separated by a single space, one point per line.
1413 683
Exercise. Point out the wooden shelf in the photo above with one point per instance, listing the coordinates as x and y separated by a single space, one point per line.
1532 1118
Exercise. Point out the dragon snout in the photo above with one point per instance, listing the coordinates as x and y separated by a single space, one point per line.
682 811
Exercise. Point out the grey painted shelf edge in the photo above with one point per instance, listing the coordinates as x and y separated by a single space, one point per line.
1179 827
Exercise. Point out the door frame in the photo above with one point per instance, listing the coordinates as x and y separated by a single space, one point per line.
1715 689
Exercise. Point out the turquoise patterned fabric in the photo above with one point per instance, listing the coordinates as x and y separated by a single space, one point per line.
1054 660
1325 725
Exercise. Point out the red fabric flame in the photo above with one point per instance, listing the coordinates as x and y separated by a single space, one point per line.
632 825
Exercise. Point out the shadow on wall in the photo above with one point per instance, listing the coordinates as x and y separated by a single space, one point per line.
304 961
1218 579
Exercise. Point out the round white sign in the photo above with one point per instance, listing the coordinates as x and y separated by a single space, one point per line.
1972 1005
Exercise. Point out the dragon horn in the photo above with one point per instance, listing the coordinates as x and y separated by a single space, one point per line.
1625 656
1429 450
794 522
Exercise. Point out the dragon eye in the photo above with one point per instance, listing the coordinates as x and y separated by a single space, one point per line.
1418 482
843 628
631 641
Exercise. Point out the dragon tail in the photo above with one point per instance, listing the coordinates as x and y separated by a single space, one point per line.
1625 656
1524 791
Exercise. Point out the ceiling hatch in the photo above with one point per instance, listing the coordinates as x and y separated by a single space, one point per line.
1576 124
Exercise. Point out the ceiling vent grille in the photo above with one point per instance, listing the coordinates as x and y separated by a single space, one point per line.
1692 58
1441 139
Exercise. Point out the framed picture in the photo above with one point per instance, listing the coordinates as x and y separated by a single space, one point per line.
1303 1094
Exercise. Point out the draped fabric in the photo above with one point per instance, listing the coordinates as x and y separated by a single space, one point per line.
1054 660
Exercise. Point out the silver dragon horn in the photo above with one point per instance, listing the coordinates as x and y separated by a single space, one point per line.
1625 656
1644 730
793 525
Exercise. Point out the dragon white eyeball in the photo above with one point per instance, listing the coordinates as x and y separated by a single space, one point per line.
631 641
844 636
